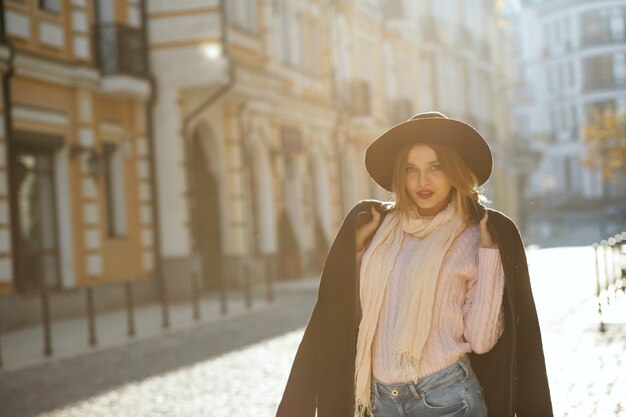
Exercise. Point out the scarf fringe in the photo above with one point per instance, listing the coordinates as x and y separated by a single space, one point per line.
363 409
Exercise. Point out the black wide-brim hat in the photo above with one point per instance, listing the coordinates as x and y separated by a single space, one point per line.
429 127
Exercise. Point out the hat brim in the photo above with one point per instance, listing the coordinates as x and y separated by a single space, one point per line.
380 154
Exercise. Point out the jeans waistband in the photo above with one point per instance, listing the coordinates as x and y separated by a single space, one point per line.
458 370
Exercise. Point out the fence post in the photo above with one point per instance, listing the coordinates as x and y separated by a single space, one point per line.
223 291
130 313
269 266
91 320
596 249
47 338
247 284
194 295
1 316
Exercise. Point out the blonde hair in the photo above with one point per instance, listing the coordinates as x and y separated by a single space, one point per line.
464 182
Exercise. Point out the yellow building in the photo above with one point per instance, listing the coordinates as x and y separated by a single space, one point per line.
76 205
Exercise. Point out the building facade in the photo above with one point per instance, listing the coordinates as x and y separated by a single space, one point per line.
569 59
76 203
251 117
265 109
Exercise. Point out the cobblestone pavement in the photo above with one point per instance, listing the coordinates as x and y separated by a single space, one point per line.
239 367
228 368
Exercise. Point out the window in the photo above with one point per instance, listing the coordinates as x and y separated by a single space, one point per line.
285 32
550 79
596 28
243 14
315 47
617 24
561 77
37 240
553 121
53 6
114 185
619 69
599 72
574 120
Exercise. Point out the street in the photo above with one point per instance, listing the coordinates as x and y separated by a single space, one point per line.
238 367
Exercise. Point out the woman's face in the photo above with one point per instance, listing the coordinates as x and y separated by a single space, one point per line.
426 183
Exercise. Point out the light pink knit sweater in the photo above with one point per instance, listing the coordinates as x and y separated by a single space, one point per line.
468 313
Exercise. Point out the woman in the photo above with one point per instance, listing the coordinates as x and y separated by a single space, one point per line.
426 309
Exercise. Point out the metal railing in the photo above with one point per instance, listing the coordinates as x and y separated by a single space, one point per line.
610 268
120 50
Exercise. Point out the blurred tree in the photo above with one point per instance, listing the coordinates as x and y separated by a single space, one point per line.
605 138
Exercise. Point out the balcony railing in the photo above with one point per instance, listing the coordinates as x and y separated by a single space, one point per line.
120 50
598 39
607 82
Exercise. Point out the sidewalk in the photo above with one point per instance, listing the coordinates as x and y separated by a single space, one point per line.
70 338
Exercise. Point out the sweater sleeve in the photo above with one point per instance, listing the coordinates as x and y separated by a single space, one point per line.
483 313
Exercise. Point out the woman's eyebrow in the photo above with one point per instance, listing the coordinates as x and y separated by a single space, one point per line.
428 163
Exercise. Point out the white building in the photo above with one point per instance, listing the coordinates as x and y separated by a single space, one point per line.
569 57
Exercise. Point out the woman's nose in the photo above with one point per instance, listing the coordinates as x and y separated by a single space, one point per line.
423 179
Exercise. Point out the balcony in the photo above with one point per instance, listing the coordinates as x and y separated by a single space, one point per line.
120 50
357 99
601 81
599 39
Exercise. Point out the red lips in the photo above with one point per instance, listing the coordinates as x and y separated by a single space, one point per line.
425 194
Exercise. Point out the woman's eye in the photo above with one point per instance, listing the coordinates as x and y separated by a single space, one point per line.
435 167
410 169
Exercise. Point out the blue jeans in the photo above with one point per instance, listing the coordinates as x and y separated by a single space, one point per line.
451 392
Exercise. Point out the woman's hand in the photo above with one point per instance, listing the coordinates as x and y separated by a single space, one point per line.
367 229
486 240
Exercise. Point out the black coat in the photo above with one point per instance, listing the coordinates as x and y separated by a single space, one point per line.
512 373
